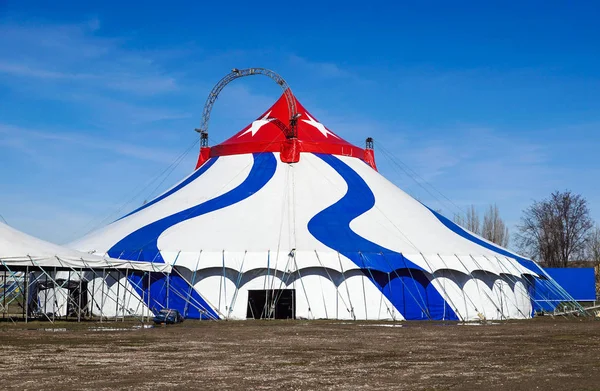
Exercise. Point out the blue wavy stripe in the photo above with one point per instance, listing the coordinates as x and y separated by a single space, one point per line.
142 245
457 229
180 186
332 225
192 307
332 228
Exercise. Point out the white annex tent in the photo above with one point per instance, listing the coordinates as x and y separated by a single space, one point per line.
52 281
18 250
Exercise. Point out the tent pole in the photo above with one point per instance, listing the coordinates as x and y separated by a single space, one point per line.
12 289
447 298
125 287
33 290
476 307
125 292
41 269
168 288
143 296
149 282
62 287
389 311
195 303
26 297
237 283
79 296
93 296
346 285
338 295
46 293
225 284
516 305
185 311
54 296
4 298
68 294
310 312
130 287
118 286
102 294
222 279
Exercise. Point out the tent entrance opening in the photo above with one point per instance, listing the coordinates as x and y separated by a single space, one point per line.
271 304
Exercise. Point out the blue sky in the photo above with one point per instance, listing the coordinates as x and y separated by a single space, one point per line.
485 101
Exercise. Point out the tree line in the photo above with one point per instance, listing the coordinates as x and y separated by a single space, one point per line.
493 227
553 231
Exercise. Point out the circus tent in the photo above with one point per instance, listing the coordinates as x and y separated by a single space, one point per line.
304 226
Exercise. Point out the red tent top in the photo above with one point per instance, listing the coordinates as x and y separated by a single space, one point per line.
265 134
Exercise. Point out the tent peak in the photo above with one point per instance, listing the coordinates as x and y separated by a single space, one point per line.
275 131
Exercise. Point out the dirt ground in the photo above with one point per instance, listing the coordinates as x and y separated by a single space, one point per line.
545 353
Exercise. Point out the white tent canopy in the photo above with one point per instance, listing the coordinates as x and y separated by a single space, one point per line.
18 250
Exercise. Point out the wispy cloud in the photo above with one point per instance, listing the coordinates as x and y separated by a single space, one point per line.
34 141
16 69
321 69
484 159
123 82
74 53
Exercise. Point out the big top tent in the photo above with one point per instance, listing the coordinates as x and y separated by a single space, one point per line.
286 219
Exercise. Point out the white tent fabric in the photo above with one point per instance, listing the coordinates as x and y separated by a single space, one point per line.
18 249
241 231
256 236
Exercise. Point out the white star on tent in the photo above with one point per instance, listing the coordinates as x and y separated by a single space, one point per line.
259 123
320 127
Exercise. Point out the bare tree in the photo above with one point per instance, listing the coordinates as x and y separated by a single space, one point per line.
473 223
555 231
494 229
459 219
593 252
470 220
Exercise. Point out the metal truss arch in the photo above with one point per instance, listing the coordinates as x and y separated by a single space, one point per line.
288 129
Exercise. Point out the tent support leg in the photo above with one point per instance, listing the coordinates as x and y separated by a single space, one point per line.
79 296
168 288
26 296
125 292
118 286
68 294
54 297
46 293
4 298
92 298
149 282
102 294
41 269
125 287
